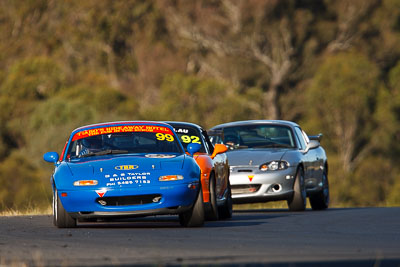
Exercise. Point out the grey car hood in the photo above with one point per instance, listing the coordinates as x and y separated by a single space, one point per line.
242 157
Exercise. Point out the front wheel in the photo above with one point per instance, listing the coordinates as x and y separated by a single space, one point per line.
61 218
299 199
225 211
212 214
320 201
195 216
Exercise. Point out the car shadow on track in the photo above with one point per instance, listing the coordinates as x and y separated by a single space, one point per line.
249 217
238 220
145 222
246 217
262 211
288 212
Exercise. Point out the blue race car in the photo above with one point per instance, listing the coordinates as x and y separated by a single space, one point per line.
125 169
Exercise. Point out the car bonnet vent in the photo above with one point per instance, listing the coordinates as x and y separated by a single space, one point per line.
244 170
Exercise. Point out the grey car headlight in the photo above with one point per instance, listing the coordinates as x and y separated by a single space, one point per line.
275 165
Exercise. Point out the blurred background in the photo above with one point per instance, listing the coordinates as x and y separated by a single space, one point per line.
333 66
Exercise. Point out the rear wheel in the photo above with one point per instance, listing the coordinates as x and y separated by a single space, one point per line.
320 201
61 218
225 211
212 214
195 216
299 199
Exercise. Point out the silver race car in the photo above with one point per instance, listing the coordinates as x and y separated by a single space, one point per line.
274 160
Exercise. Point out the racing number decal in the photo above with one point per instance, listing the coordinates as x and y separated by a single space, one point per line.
162 137
190 139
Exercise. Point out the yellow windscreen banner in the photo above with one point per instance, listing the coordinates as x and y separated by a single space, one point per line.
121 129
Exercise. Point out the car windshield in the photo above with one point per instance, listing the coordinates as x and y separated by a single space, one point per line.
120 142
188 135
256 136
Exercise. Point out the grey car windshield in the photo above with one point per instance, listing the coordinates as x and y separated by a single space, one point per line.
257 136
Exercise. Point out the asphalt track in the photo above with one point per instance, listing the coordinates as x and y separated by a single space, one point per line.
335 237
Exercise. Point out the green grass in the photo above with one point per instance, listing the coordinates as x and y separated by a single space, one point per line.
266 205
27 212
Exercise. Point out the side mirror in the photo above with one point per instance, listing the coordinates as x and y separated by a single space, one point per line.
312 144
218 149
317 137
193 148
51 157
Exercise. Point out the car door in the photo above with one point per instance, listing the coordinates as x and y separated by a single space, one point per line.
314 158
308 155
221 167
317 157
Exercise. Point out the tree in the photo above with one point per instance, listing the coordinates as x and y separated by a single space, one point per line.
25 84
51 122
204 101
341 102
22 185
386 137
257 31
350 16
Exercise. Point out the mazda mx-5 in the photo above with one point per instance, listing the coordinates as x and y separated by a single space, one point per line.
125 169
275 160
214 167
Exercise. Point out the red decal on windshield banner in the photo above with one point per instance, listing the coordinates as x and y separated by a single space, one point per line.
121 129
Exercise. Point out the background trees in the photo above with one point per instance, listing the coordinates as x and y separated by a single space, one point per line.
341 100
334 66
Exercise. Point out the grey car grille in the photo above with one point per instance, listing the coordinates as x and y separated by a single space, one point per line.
245 188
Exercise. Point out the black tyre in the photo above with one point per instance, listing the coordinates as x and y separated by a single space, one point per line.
54 204
61 218
320 201
195 216
225 211
212 213
299 199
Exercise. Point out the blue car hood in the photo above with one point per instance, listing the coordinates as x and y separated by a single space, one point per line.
87 168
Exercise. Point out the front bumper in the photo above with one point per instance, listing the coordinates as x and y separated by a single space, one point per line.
250 185
130 214
172 198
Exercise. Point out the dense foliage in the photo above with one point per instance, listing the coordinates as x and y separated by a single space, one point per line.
331 65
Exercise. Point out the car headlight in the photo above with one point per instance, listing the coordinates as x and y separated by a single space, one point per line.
170 178
275 165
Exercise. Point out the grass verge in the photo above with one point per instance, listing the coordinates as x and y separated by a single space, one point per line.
258 206
32 211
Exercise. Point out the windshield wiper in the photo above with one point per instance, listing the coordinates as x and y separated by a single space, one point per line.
105 152
273 145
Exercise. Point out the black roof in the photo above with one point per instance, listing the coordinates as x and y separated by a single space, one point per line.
250 122
183 124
